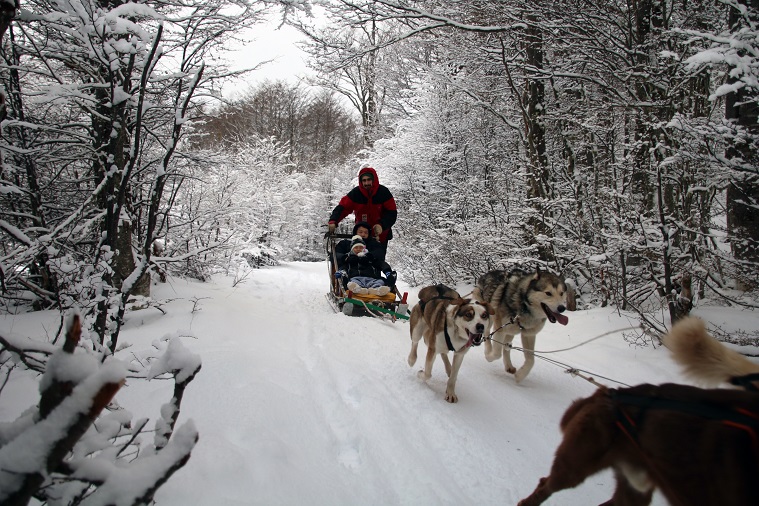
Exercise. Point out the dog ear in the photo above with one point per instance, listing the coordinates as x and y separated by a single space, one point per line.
460 302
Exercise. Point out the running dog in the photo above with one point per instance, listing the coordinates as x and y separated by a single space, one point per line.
448 323
523 301
696 446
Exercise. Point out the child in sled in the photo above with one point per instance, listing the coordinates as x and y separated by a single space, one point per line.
376 248
362 270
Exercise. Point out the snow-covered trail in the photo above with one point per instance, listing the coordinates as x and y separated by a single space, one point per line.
298 405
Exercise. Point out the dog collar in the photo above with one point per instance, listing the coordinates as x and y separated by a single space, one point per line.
450 344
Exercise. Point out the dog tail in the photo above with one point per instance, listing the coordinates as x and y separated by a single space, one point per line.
703 358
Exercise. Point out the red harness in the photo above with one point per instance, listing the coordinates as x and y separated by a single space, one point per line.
738 418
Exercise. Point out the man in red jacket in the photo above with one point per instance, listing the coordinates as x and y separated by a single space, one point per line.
370 202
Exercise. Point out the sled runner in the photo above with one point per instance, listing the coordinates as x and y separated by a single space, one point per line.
390 306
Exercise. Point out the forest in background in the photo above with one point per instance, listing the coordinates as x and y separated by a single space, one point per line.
614 143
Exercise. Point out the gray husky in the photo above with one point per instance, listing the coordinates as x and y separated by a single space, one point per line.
522 301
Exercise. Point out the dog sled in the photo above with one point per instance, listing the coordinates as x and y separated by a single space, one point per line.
391 306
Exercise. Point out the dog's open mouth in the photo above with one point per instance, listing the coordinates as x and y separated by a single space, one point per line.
475 339
554 317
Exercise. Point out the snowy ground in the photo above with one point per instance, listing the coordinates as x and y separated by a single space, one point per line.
298 405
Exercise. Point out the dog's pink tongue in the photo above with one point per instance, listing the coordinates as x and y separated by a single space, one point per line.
561 318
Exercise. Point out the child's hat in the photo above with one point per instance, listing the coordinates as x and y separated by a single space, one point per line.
356 239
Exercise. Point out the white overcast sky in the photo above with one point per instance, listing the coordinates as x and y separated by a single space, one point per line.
275 43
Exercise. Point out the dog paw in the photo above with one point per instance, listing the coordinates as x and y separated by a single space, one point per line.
490 357
422 376
451 397
511 370
412 359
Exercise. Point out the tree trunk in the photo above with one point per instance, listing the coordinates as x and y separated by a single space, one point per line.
371 115
539 178
743 191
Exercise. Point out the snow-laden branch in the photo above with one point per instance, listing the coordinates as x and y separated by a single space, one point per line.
74 392
136 483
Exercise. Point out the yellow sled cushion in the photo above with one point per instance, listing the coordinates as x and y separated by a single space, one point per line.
389 297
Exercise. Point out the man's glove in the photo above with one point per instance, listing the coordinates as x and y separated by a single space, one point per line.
377 229
391 277
340 274
331 228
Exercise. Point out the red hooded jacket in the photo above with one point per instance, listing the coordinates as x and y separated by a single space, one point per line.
373 206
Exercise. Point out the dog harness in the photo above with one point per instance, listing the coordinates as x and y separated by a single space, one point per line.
748 381
736 417
445 327
739 418
448 342
448 339
423 303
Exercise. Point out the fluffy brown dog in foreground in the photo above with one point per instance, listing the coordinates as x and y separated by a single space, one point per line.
696 446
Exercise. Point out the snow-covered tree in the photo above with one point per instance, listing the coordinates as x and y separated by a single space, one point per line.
102 96
600 123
